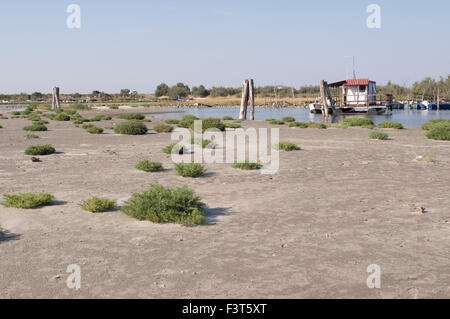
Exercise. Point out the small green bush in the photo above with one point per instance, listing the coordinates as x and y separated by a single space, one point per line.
40 150
131 128
187 121
87 126
189 169
3 117
16 113
163 128
94 130
227 118
204 143
439 132
211 123
80 106
27 200
307 125
378 135
40 122
131 116
160 205
287 146
233 125
396 125
34 117
175 149
80 121
270 120
31 136
441 122
338 125
147 166
288 119
172 121
358 122
61 117
276 122
113 107
97 205
428 159
35 128
100 117
247 165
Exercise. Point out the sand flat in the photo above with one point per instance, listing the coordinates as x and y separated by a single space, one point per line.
310 231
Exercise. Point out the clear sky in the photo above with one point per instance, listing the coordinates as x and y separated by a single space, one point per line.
139 44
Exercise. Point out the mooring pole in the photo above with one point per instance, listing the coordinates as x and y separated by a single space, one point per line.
251 88
324 98
56 104
244 100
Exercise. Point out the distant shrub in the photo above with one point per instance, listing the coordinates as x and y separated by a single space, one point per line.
338 125
86 126
233 125
358 122
428 125
131 128
61 117
131 116
80 121
113 107
34 117
160 205
100 117
307 125
288 119
35 128
378 135
40 150
97 205
287 146
3 117
317 125
79 106
276 122
70 112
187 121
16 113
40 122
147 166
27 200
94 130
439 132
247 165
175 149
227 118
204 143
172 121
211 123
189 169
31 136
270 120
163 128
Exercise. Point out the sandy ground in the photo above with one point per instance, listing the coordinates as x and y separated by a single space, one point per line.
310 231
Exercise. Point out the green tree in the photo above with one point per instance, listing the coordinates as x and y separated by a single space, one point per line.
200 91
124 92
162 90
179 91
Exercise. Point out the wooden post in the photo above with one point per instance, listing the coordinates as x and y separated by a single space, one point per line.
324 98
438 103
251 93
56 104
244 100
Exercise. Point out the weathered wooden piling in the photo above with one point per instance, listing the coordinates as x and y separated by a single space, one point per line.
248 95
323 95
251 94
56 104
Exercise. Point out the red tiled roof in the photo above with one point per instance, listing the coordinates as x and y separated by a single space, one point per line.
357 82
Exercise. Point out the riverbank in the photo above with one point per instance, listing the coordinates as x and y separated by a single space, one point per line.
342 203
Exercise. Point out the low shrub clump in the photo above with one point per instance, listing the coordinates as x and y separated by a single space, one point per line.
131 116
97 205
358 122
163 128
189 169
386 124
147 166
428 159
338 125
287 146
160 205
288 119
35 128
100 117
439 132
276 122
307 125
203 142
30 136
247 165
40 150
172 121
211 123
233 125
374 135
131 128
27 200
94 130
440 122
227 118
175 149
61 117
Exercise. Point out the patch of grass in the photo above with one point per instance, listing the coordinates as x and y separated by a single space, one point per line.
270 120
172 121
147 166
204 143
35 128
357 122
100 117
79 106
386 124
211 123
190 169
374 135
97 205
94 130
113 107
187 121
247 165
440 122
160 205
276 122
233 125
131 116
288 119
338 125
131 128
287 146
40 150
175 149
440 132
80 121
3 117
27 200
368 126
307 125
428 159
31 136
163 128
227 118
86 126
61 117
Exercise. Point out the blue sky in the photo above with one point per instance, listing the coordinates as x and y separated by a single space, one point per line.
139 44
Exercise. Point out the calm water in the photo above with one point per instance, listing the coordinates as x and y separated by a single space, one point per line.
410 118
